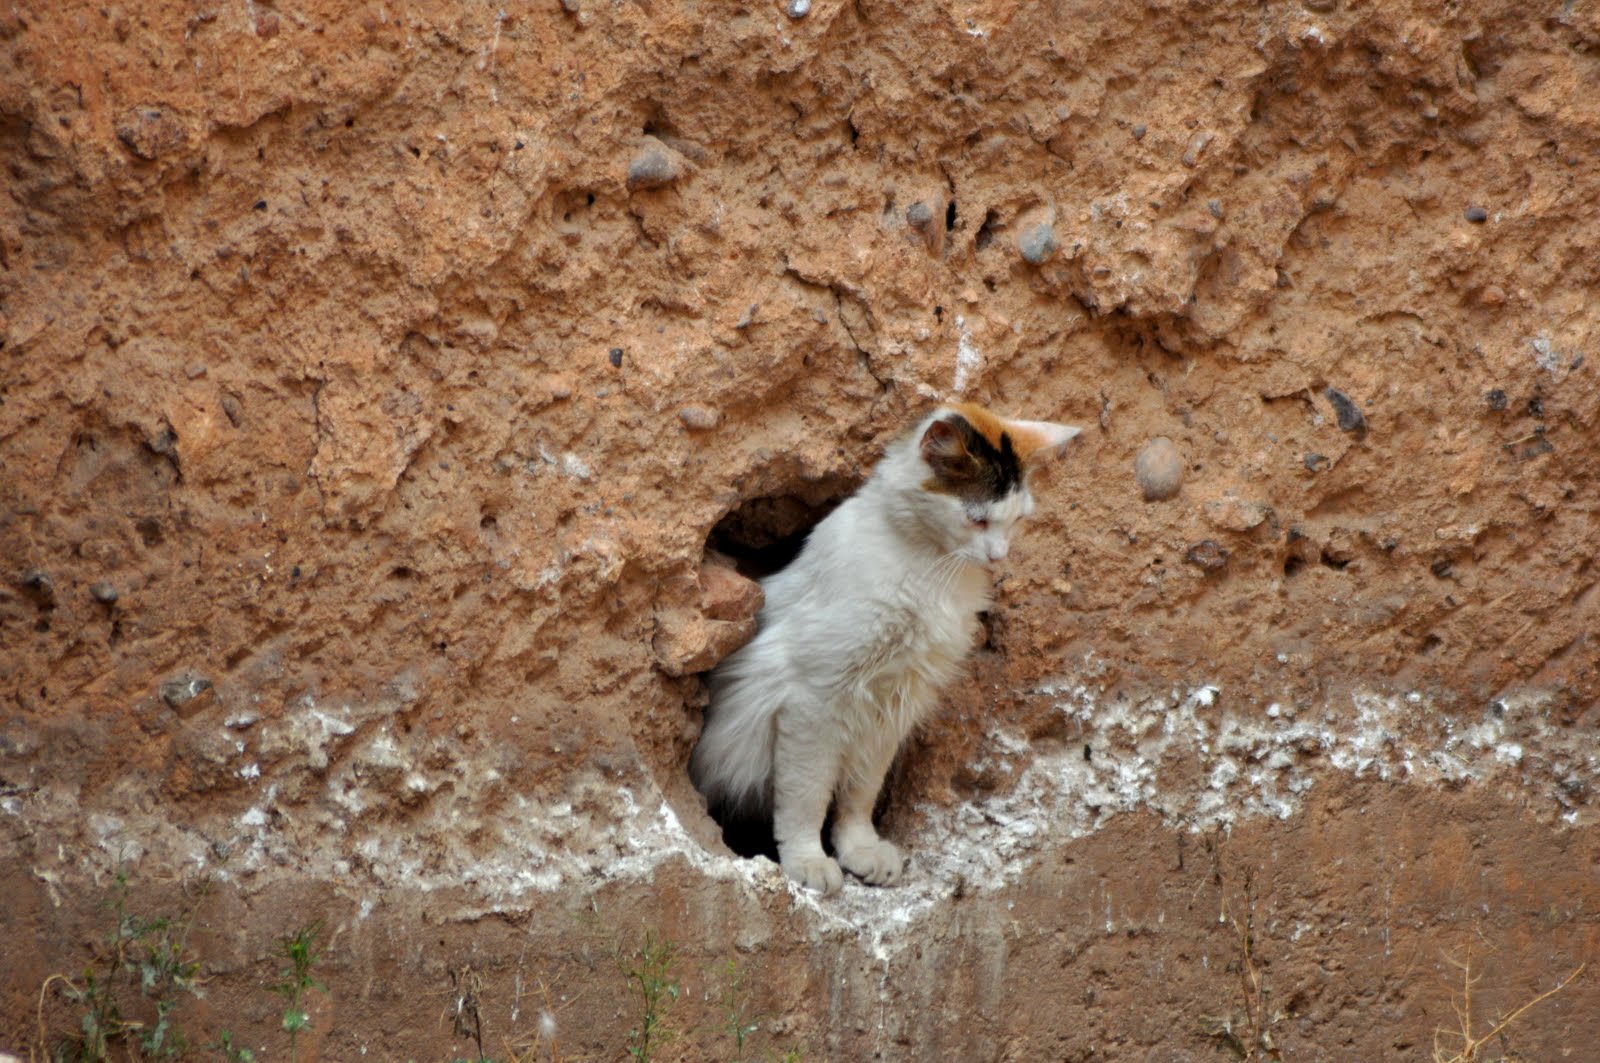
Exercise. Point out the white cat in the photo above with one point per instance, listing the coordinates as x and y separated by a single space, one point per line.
859 634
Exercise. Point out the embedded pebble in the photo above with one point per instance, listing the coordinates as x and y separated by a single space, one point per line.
1317 462
1196 147
615 355
653 167
194 370
799 8
700 418
1232 513
151 132
1496 399
1037 243
1492 295
38 582
230 407
104 593
1477 215
182 689
1139 131
1208 554
1351 419
918 215
1159 469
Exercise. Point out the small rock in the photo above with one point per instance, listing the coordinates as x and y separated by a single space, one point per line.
726 595
104 593
918 216
1196 147
799 8
1477 215
1317 462
230 407
700 418
151 132
267 25
1159 469
37 582
615 355
183 689
1321 6
653 167
1037 243
1351 419
1492 295
1232 513
1208 554
1496 400
1139 131
1215 208
194 370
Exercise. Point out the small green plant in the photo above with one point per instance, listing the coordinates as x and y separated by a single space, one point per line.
735 1022
300 949
231 1052
150 956
651 973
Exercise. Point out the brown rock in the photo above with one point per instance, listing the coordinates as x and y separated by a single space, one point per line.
151 132
726 595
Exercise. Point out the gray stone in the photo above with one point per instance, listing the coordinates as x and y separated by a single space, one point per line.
104 593
180 690
799 8
1037 243
653 167
700 418
1351 419
1159 469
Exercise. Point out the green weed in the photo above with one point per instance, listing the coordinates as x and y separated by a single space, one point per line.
300 949
651 973
146 957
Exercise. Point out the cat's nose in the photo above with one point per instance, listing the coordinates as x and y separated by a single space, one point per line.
997 549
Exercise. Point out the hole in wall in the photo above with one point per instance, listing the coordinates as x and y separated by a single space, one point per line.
763 534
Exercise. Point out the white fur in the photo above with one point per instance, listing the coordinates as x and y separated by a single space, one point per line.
857 637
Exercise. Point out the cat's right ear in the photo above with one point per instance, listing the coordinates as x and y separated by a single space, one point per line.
945 451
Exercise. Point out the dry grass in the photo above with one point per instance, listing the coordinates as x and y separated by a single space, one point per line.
1472 1045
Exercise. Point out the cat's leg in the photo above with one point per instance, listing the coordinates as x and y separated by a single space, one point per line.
805 766
861 852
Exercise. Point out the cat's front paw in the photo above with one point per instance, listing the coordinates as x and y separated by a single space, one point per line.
815 873
877 863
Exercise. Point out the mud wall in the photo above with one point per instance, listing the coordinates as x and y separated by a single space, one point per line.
376 375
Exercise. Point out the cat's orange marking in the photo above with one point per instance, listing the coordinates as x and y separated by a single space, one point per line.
991 426
988 425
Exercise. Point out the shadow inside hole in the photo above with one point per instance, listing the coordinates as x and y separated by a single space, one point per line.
763 535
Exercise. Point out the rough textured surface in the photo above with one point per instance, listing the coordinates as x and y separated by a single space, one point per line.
376 375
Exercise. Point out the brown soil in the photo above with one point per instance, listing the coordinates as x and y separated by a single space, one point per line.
375 377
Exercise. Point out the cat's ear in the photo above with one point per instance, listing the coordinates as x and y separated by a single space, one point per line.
944 449
1040 442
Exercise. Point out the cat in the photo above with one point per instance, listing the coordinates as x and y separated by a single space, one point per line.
859 634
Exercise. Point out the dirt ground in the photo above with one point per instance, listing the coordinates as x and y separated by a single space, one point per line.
387 391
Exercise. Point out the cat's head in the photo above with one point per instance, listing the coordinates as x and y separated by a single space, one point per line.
979 467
